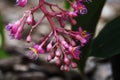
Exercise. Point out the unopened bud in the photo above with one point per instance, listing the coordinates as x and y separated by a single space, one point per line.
20 29
28 39
73 14
29 19
57 52
66 60
49 58
18 36
57 62
74 65
73 21
49 47
73 43
17 23
21 3
66 68
62 67
52 55
64 43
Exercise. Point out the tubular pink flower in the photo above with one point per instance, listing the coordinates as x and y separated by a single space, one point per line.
75 52
9 27
40 50
37 49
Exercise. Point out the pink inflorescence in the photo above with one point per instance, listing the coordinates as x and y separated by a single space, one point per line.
60 42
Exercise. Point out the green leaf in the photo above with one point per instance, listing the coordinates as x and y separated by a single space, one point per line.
67 5
107 43
3 54
88 22
2 33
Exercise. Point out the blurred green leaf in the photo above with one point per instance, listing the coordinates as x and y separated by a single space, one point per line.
89 22
2 33
67 5
3 54
107 43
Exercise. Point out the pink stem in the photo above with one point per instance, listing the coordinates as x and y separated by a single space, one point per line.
39 22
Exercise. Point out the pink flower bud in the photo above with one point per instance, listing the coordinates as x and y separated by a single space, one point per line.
49 46
17 35
66 68
57 52
36 46
72 14
21 3
82 40
40 50
64 43
52 55
62 67
29 19
74 65
70 48
73 21
20 29
57 62
66 60
49 58
28 39
73 43
80 29
17 23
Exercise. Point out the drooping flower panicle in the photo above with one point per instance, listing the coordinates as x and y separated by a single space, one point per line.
60 42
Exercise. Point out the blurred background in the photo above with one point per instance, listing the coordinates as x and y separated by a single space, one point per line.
15 65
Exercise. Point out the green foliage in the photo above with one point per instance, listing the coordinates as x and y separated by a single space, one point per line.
2 33
3 54
89 22
107 43
67 5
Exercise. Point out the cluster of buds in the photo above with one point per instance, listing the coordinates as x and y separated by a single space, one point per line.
60 43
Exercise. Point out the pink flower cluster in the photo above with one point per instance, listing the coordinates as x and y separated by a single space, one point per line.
60 42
